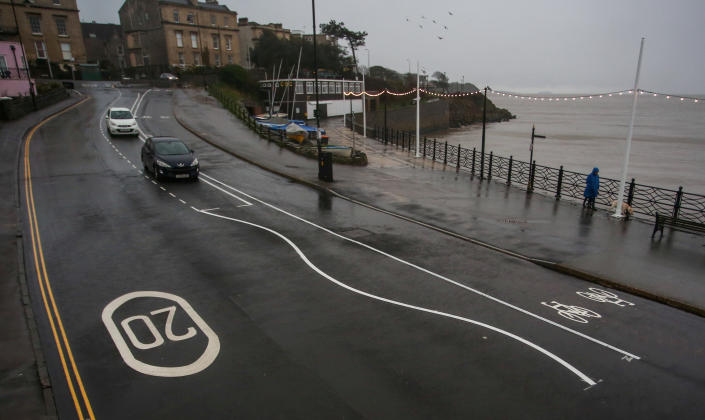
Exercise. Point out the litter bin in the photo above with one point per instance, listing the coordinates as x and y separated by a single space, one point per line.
325 166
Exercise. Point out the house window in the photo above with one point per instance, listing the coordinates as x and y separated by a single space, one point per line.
41 49
230 59
182 61
226 22
176 16
216 41
228 42
299 88
194 40
120 50
189 18
179 39
35 23
338 87
309 87
57 2
213 20
196 59
66 51
217 60
61 26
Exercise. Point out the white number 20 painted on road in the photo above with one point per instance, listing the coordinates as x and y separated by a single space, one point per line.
202 361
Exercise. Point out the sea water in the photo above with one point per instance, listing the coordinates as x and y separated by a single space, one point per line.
668 143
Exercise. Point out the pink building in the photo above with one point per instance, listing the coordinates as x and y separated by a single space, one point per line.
13 70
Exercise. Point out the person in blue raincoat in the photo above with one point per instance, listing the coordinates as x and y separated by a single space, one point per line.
592 186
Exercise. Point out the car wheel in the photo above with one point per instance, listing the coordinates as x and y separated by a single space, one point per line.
194 178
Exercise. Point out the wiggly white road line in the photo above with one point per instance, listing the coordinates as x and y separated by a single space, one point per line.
429 272
303 257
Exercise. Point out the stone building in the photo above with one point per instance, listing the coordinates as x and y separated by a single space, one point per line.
48 29
166 33
104 44
250 32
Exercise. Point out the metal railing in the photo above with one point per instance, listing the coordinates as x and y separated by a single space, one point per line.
645 200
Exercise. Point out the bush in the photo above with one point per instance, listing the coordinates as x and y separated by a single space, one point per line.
239 78
43 88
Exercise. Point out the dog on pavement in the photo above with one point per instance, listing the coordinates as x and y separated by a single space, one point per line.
626 208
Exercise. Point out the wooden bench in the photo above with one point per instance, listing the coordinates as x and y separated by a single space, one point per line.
678 224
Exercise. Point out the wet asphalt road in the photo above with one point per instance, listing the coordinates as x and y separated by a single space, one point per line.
262 298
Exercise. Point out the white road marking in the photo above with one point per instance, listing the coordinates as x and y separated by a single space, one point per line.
438 276
171 194
226 192
165 117
213 209
303 257
204 360
154 182
162 188
182 201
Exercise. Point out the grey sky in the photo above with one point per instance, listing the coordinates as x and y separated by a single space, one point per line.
529 46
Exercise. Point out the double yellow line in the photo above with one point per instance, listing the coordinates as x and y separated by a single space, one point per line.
73 378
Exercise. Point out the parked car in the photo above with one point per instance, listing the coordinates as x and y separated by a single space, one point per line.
169 157
168 76
121 121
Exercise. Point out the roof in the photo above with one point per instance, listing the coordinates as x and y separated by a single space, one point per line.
201 5
119 109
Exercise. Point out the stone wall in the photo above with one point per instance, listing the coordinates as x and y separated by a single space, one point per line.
21 106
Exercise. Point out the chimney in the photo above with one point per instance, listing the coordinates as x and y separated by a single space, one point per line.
212 1
242 21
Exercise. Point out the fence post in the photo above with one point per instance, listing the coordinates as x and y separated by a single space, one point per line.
560 183
489 170
458 162
630 197
509 172
269 133
445 155
434 150
530 184
677 205
472 169
424 147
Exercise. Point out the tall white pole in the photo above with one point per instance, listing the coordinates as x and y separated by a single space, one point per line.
364 110
418 111
618 209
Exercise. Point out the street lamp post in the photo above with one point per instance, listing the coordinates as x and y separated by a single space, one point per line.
482 151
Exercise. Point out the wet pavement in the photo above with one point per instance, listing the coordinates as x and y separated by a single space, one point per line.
321 306
587 243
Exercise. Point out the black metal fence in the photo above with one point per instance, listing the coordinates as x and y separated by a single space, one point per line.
13 73
645 200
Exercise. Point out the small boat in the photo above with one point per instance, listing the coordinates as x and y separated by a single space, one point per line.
338 150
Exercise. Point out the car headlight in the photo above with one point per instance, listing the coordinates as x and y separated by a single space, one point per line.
112 124
195 162
162 163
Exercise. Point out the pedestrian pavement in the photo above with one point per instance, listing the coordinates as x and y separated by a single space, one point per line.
25 390
560 235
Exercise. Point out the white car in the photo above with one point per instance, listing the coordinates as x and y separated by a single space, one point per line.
168 76
121 121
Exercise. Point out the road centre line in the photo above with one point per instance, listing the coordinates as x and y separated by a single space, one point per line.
436 275
323 274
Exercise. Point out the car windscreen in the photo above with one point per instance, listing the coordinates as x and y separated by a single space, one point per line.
174 147
121 115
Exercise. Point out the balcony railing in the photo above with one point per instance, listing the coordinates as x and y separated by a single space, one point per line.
13 73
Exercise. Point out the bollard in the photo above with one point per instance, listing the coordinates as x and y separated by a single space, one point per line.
677 205
445 155
509 172
424 147
560 183
489 169
434 150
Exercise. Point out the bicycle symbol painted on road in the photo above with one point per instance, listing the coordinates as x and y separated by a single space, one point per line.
603 296
573 313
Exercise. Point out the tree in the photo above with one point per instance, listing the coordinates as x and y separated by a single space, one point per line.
269 51
441 80
339 31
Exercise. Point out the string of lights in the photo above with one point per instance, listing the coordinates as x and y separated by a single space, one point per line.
585 97
582 97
